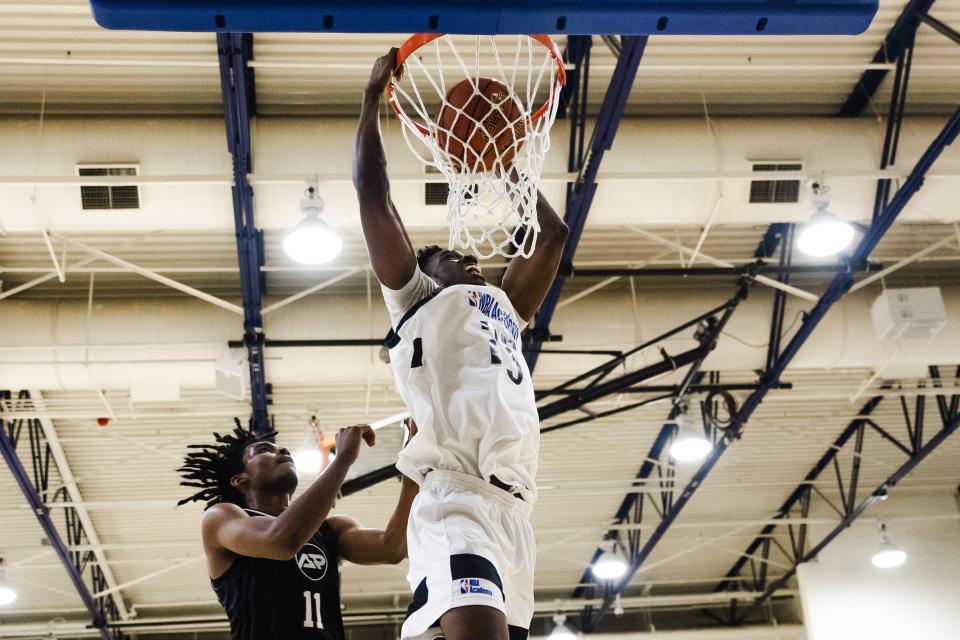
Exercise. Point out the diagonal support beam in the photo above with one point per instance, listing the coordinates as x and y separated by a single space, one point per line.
835 290
940 27
153 275
897 40
631 508
770 282
50 276
900 264
898 102
312 290
875 496
800 493
8 450
235 51
580 194
781 234
77 502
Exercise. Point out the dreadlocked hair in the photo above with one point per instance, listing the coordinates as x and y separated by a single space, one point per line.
211 467
425 253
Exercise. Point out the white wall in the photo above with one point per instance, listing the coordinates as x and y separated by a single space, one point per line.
845 597
287 146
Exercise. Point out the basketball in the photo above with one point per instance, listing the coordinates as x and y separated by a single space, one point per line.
478 124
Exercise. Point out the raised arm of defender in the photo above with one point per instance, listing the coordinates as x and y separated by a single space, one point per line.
391 253
227 529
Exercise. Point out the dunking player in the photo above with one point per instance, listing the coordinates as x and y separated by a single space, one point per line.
456 353
274 563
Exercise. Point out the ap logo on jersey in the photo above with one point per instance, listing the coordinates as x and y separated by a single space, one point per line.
312 562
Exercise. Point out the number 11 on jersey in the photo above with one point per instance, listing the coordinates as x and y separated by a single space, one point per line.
311 603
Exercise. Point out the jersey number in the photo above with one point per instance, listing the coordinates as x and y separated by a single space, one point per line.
311 603
516 377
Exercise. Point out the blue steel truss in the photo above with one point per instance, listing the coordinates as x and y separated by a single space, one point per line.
898 40
237 87
580 193
631 509
35 488
912 440
838 286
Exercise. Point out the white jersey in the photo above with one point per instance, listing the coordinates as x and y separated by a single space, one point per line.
456 355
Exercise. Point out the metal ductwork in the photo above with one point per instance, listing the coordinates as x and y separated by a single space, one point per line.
44 344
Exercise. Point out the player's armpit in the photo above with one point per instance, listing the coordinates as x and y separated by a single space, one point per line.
227 527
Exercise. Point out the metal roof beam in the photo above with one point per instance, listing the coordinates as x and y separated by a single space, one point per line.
799 493
70 560
837 288
580 193
77 502
851 509
631 507
235 50
940 27
897 40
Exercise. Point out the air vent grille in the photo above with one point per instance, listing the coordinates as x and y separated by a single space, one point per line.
775 191
109 196
435 192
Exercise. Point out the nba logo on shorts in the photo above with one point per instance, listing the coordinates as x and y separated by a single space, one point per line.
472 586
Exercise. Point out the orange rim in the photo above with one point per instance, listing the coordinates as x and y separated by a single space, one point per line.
418 40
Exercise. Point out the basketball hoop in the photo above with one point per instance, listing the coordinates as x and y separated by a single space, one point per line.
494 176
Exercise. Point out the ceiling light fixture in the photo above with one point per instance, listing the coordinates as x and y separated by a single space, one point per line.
824 234
690 444
611 564
561 631
888 555
312 241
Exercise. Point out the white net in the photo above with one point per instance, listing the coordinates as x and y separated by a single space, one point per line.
479 110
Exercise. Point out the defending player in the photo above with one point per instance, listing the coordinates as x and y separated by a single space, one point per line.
274 563
456 351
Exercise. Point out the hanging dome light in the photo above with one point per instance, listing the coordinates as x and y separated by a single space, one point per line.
690 444
611 564
561 631
824 234
888 555
312 241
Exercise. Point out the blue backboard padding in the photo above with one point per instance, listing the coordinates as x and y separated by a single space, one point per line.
625 17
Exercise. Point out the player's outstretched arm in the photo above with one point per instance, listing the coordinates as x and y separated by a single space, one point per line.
227 528
528 280
391 253
376 546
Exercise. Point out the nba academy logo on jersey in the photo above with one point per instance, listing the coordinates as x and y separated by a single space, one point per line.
474 586
488 306
312 562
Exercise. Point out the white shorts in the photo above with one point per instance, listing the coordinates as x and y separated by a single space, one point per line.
469 543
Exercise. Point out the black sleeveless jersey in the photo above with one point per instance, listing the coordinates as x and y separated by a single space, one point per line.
296 599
